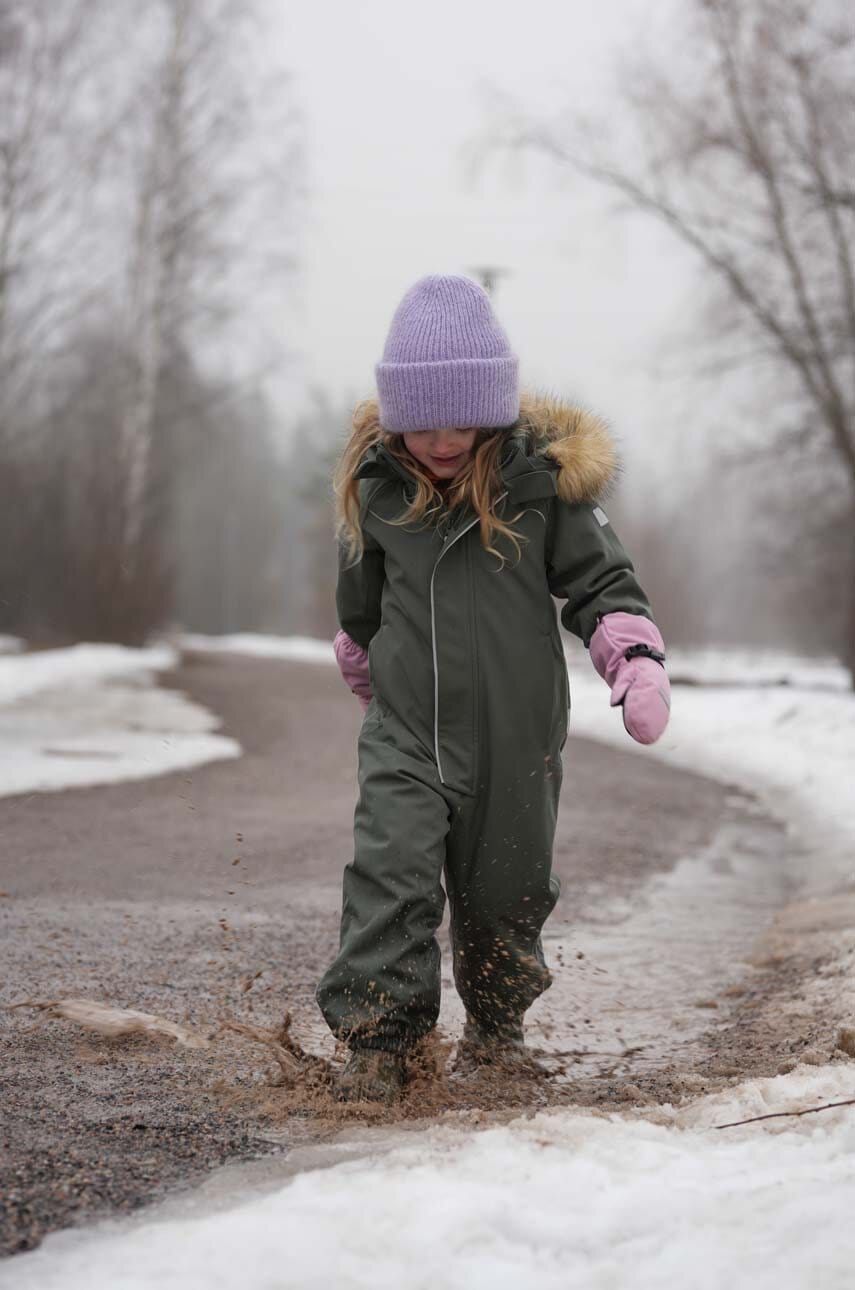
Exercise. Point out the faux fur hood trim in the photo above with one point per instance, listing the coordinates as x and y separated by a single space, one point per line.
577 441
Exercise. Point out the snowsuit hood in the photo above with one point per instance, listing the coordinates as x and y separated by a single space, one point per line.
573 444
578 442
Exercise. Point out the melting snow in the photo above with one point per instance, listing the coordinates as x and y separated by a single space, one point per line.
94 714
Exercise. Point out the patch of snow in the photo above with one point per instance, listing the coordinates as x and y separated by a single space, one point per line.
794 747
306 649
94 714
11 644
760 667
77 665
556 1202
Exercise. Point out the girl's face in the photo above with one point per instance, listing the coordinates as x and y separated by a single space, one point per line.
442 452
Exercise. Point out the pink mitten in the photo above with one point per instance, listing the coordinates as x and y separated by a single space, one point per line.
352 660
624 650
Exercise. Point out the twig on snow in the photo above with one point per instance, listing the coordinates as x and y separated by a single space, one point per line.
775 1115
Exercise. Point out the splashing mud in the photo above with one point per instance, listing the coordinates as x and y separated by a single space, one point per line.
107 1020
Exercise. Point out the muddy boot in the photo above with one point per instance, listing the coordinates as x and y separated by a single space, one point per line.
501 1045
371 1075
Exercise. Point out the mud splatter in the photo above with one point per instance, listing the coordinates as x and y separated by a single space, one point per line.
105 1019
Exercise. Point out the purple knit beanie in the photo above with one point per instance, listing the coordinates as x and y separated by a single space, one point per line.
447 361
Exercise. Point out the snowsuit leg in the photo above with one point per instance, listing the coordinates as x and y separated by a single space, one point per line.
495 847
501 890
383 989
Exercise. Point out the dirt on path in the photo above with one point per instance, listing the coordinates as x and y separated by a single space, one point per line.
214 895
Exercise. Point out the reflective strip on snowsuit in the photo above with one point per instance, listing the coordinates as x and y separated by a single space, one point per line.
460 749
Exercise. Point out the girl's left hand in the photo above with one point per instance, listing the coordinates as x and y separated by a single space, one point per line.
643 690
639 683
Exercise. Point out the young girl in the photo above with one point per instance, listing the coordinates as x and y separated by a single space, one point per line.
462 510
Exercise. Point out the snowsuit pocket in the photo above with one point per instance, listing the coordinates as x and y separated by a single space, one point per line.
551 692
373 716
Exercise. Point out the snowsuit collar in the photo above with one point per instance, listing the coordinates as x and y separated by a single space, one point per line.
554 447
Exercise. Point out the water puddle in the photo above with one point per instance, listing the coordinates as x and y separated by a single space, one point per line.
650 974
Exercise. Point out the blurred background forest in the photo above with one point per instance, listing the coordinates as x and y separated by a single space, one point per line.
157 472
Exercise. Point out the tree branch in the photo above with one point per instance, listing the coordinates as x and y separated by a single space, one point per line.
831 209
762 165
776 1115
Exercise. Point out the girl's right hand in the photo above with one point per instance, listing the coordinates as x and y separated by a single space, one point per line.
352 660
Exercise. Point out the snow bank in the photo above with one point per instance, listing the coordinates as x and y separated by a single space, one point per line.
794 747
305 649
553 1203
94 714
51 669
755 667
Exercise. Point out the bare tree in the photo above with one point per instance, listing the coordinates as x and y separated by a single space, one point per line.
48 54
185 194
742 148
139 211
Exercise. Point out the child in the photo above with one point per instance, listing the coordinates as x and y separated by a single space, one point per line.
462 511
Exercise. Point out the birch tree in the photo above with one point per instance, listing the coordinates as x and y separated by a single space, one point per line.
205 198
176 174
139 211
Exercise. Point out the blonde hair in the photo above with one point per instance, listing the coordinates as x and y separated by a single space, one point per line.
479 483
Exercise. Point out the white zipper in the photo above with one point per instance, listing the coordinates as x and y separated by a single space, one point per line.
470 525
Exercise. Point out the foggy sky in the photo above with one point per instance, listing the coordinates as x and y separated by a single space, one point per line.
391 92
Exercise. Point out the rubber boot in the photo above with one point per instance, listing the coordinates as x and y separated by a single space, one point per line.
481 1046
371 1075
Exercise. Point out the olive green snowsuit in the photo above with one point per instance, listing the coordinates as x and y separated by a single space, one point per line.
460 748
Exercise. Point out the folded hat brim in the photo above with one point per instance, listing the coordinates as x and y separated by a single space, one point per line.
460 393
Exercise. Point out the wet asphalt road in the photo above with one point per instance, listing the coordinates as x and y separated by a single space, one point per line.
215 893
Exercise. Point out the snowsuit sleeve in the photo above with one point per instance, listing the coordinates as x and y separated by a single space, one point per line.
588 567
359 590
